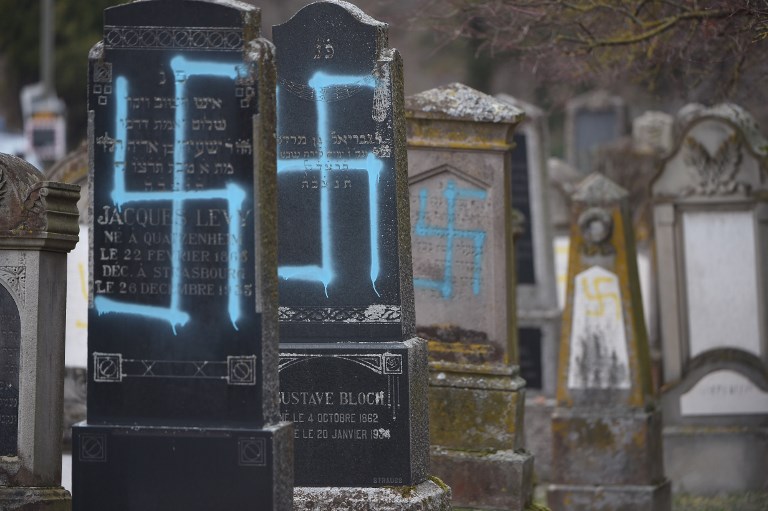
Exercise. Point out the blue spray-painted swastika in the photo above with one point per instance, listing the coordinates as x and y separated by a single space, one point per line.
449 233
325 272
184 69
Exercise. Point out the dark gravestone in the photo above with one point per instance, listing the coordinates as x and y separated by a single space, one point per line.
351 377
10 350
524 259
340 256
182 333
530 356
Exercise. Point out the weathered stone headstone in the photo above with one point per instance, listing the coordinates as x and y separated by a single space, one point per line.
538 314
38 226
73 169
711 226
353 378
591 120
606 431
182 331
652 131
460 163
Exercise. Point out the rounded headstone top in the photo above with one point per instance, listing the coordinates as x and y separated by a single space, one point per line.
17 177
459 102
352 9
595 100
727 112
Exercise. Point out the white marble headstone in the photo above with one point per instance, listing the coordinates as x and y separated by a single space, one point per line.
721 283
76 336
598 357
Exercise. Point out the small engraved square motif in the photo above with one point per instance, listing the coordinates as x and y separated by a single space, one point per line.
241 370
393 363
93 448
252 452
107 367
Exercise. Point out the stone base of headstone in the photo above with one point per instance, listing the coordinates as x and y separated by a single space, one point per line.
538 434
378 396
486 480
476 433
562 497
135 468
606 447
609 459
35 499
431 495
739 453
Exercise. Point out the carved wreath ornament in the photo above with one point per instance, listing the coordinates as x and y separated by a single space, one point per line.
715 174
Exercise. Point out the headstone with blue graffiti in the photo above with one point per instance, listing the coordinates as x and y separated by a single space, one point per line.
182 327
353 378
460 167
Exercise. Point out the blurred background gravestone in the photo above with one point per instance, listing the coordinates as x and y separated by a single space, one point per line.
710 203
632 162
73 169
182 328
38 226
353 376
592 120
538 314
606 430
460 165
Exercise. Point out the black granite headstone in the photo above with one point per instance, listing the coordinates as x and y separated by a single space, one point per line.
10 351
181 335
524 259
347 367
531 370
344 401
339 256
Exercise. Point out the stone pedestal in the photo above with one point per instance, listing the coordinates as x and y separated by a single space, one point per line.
606 430
38 226
610 498
461 183
432 494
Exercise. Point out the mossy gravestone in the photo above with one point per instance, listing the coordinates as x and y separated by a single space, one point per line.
460 147
38 226
353 377
182 331
606 432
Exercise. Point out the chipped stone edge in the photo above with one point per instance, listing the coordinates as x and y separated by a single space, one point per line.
426 496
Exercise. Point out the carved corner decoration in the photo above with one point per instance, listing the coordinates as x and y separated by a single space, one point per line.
15 279
715 174
29 205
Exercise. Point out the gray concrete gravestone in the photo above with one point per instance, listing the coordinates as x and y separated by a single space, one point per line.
711 224
460 149
38 226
